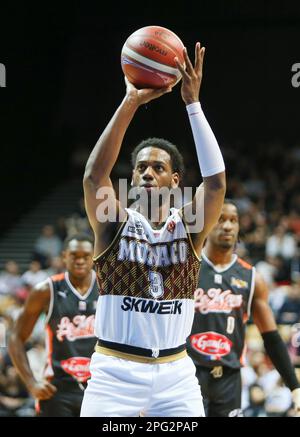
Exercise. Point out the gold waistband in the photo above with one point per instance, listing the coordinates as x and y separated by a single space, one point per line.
138 358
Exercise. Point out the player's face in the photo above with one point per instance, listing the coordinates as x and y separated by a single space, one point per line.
225 233
153 170
78 258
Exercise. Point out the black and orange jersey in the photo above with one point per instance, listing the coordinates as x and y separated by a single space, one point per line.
222 307
70 338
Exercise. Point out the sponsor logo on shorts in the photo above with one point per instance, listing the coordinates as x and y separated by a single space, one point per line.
78 367
212 344
151 306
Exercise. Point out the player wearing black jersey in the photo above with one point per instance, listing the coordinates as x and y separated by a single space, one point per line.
229 290
69 299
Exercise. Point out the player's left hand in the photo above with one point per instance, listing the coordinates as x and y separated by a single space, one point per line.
139 97
191 75
296 400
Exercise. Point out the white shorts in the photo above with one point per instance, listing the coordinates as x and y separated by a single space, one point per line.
122 388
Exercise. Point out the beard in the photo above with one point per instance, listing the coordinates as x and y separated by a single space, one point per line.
226 244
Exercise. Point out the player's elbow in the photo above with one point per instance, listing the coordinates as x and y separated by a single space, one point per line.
13 342
216 183
90 176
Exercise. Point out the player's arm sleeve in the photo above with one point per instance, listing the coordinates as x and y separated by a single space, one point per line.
277 351
208 152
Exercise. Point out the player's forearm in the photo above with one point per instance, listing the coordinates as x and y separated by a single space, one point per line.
19 358
107 149
277 351
208 151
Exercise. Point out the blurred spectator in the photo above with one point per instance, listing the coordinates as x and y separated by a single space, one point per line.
257 400
278 401
34 275
10 279
268 269
294 220
56 266
61 228
255 186
294 346
47 246
295 268
241 199
249 377
281 243
289 313
14 398
78 221
277 296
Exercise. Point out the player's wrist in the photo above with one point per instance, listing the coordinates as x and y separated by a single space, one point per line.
189 102
31 384
191 107
131 102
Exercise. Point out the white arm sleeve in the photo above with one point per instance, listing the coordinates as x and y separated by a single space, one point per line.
209 154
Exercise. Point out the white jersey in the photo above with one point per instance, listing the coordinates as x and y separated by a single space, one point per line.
147 280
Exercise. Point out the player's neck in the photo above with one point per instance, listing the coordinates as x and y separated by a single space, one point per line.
217 255
81 284
159 217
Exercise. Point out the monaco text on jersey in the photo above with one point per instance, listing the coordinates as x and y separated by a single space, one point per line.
158 255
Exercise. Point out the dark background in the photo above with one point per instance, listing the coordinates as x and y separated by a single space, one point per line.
64 82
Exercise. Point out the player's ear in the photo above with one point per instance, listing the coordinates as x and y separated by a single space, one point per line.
132 175
175 180
63 256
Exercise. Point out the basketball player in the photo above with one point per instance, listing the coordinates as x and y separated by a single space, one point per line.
229 290
69 300
146 274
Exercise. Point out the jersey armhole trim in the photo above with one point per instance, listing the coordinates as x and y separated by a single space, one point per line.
251 292
51 304
95 258
180 212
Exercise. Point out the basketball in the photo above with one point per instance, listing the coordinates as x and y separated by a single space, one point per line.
147 57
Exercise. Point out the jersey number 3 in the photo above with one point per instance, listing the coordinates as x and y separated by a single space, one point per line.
156 284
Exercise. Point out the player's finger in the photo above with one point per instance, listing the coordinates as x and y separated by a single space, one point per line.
128 84
197 56
180 67
199 59
161 91
188 64
50 388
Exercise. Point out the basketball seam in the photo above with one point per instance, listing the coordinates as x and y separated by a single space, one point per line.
150 63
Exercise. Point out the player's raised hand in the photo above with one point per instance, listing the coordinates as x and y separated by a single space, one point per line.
142 96
191 75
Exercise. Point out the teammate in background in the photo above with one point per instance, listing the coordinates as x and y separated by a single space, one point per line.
229 290
147 274
69 299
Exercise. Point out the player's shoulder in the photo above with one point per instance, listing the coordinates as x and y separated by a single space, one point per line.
58 277
241 262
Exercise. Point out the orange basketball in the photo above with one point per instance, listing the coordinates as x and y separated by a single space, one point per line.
147 57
